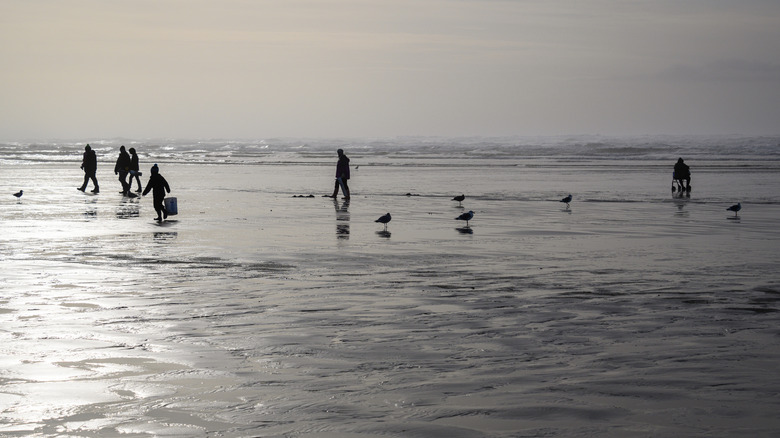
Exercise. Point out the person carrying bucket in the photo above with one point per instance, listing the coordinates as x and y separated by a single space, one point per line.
159 187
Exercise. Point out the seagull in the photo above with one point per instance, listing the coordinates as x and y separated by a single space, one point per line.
384 220
459 199
567 199
465 217
735 208
19 194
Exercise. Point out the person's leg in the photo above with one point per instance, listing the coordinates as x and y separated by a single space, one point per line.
95 183
345 188
158 208
336 189
122 179
86 181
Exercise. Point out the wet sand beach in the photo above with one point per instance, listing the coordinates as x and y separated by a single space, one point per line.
254 312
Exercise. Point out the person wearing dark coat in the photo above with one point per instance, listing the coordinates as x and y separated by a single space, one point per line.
134 171
89 165
122 168
682 173
342 175
159 187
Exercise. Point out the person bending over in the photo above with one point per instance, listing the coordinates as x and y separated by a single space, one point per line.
682 173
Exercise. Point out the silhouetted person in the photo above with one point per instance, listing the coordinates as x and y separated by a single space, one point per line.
682 173
342 175
134 171
89 164
122 168
159 187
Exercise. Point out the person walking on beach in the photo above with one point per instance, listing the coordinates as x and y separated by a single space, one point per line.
134 171
89 165
122 168
159 187
682 173
342 175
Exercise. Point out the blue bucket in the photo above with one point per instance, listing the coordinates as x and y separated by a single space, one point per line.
171 205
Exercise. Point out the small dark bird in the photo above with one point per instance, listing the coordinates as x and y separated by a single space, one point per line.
465 217
567 200
460 199
19 194
384 220
735 208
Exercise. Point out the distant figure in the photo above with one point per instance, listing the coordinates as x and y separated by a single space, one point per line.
682 173
89 164
122 168
134 171
466 217
19 194
342 175
566 200
735 208
160 187
460 199
384 220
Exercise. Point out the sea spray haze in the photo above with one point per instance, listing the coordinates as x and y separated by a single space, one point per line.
255 312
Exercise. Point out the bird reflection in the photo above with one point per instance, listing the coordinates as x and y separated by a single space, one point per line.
383 233
465 230
342 219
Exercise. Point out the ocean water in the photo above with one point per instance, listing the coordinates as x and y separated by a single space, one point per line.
633 312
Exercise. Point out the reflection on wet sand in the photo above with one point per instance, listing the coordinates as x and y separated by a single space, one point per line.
165 236
342 219
128 209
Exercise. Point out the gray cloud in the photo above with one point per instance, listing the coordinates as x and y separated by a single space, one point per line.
351 68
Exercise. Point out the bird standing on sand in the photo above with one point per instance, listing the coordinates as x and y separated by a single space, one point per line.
735 208
19 194
465 217
384 220
460 199
567 200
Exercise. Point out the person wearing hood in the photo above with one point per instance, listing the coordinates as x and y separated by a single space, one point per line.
122 168
159 187
134 171
342 175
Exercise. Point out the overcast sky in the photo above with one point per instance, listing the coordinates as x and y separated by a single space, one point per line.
355 68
